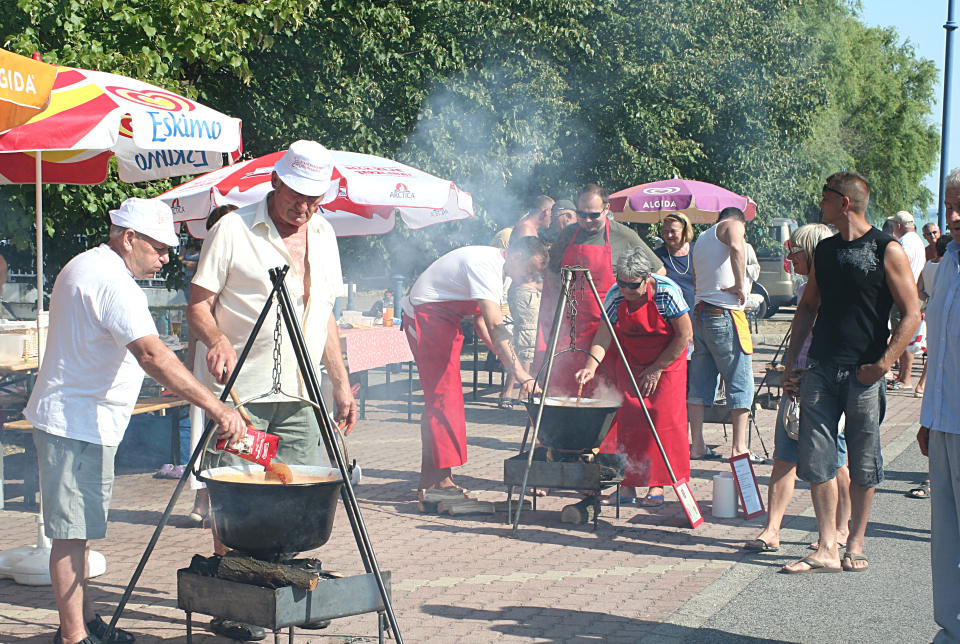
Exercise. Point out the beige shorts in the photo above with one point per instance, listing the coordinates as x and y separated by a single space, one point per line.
76 483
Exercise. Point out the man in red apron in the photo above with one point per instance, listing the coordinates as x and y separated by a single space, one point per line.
466 282
594 243
652 323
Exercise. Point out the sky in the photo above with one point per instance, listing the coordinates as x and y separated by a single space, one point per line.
921 22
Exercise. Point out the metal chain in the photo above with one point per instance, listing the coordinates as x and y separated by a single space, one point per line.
572 313
277 340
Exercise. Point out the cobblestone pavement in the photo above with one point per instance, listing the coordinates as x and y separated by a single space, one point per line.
458 580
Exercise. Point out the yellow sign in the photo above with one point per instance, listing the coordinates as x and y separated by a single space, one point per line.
25 86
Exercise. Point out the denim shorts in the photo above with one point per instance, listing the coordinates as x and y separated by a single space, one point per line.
717 352
786 448
76 484
828 391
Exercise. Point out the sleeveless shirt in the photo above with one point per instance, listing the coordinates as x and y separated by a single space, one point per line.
714 272
855 299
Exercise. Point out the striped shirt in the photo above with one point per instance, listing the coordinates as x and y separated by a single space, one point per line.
668 297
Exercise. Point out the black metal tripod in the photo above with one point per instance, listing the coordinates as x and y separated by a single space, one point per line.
279 290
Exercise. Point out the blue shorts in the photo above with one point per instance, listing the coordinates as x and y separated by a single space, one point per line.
717 352
786 448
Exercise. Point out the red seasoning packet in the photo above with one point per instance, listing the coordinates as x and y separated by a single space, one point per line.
257 447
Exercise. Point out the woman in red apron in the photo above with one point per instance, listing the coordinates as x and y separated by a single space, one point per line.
654 338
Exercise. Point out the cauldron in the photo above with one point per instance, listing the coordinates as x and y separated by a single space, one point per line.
272 522
568 427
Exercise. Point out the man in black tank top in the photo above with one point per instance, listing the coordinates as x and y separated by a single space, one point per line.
857 277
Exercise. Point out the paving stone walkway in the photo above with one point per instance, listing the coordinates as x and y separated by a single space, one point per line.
458 580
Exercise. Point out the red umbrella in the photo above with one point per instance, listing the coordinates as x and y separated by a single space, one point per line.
701 202
366 195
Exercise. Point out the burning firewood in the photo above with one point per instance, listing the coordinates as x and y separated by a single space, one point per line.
247 570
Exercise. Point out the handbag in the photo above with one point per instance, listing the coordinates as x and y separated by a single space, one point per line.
790 417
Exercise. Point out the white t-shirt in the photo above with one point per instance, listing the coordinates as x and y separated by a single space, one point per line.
916 252
89 382
468 273
234 263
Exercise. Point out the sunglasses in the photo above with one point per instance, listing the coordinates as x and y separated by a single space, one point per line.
590 215
827 188
633 286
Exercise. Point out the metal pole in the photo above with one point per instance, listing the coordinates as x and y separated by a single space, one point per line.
39 208
397 294
950 26
201 446
351 505
554 337
633 381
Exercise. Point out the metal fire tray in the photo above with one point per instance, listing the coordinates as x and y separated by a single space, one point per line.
558 475
279 608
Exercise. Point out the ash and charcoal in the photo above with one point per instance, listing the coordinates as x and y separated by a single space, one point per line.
612 466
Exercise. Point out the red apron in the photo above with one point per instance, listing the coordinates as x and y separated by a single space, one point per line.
644 334
598 260
436 338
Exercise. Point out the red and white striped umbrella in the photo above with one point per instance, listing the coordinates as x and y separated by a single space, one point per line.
366 195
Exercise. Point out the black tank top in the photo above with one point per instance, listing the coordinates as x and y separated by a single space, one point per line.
855 300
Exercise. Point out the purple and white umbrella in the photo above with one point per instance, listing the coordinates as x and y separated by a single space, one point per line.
701 202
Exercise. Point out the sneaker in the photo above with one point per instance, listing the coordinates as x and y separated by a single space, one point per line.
238 630
98 627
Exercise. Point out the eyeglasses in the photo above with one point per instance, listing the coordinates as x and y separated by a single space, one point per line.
590 215
633 286
827 188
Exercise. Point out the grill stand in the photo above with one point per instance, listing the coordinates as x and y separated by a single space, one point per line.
681 487
334 452
280 608
558 476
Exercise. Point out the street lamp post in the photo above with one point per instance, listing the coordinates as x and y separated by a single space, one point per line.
951 26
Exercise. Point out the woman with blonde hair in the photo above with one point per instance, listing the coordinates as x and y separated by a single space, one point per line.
803 247
677 252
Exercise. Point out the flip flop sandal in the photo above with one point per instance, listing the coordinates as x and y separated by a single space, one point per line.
505 403
709 455
624 500
898 386
815 567
655 497
759 545
854 556
921 492
816 545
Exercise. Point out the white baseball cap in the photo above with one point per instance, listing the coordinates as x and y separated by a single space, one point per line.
306 167
150 217
904 218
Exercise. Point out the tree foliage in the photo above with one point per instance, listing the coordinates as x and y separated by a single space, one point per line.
514 98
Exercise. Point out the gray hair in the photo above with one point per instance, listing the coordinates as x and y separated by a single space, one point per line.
953 179
117 231
633 265
930 224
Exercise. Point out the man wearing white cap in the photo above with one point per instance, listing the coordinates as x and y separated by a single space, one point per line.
905 231
231 286
101 341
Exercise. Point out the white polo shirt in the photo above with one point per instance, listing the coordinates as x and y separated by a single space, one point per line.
234 261
467 273
89 382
